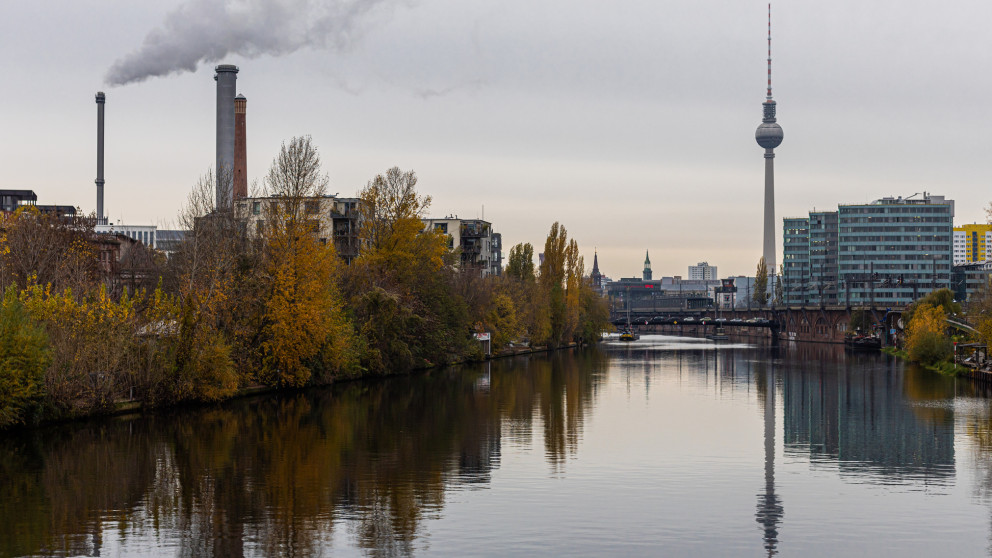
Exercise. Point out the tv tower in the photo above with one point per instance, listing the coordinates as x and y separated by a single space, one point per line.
769 136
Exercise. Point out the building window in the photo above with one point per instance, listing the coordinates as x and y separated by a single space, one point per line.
256 208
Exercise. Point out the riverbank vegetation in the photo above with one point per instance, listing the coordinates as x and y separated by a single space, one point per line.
928 339
270 304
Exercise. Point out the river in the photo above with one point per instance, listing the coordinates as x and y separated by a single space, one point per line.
662 447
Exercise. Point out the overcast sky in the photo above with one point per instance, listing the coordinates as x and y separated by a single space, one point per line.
630 122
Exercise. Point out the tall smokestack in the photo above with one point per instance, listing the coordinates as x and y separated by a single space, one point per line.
101 99
240 149
227 81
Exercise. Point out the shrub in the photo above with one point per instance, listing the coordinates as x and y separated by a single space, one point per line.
24 357
925 339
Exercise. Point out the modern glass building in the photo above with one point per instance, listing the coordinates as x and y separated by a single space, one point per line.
823 242
885 253
894 250
795 260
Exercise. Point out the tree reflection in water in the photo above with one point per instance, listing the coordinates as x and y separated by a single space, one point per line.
373 461
276 474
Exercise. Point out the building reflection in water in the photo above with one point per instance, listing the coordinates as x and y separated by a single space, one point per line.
280 475
876 424
882 424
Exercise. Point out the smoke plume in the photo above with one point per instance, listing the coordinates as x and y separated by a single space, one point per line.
205 31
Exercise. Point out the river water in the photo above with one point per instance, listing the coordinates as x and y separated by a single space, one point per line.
663 447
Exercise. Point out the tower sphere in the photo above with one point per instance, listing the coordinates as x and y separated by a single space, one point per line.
769 135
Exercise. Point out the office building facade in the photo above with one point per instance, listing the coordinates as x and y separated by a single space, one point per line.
885 253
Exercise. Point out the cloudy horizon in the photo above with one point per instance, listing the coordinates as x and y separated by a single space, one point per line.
632 123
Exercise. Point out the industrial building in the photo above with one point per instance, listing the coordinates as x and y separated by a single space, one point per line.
885 253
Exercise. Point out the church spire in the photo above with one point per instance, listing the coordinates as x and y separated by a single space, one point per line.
596 277
647 266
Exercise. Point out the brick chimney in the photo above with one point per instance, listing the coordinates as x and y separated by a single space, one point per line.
240 149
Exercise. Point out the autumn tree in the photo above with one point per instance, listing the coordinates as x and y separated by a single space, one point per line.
574 270
394 246
24 358
760 293
551 310
195 360
779 290
925 339
520 262
943 298
47 249
406 274
519 284
594 318
303 315
980 312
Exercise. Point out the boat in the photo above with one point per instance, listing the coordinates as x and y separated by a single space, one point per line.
719 334
627 335
863 342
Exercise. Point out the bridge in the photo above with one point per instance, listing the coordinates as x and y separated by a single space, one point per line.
817 324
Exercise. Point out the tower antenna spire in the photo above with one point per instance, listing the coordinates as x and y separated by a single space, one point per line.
769 51
769 136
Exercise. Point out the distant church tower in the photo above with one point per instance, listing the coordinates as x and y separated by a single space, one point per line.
647 266
769 136
596 277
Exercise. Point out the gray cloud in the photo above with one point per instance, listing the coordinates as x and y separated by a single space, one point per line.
204 31
429 93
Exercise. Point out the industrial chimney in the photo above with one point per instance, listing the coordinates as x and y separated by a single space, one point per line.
240 149
227 78
101 99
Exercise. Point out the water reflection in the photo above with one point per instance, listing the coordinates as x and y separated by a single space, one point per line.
882 424
272 475
368 464
770 510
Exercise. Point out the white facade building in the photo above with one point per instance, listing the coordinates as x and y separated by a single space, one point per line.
703 271
972 243
144 234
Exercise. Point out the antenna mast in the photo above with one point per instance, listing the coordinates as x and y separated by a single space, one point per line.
769 51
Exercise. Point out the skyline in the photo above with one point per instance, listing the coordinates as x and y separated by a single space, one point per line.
537 113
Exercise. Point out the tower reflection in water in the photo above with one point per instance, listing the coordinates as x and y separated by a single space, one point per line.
770 510
872 419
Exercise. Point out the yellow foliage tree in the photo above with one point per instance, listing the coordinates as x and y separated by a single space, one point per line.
304 320
303 306
92 338
395 248
925 339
